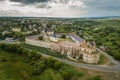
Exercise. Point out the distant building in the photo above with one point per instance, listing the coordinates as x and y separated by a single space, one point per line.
16 29
50 32
10 39
53 38
4 32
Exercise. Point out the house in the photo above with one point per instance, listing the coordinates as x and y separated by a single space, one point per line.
16 29
4 32
50 32
53 38
10 40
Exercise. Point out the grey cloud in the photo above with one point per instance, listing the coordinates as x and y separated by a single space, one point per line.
29 1
94 7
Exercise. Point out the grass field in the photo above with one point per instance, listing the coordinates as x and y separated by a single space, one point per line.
13 67
16 67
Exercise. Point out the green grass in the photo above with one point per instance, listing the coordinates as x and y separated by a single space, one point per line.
103 59
18 67
12 67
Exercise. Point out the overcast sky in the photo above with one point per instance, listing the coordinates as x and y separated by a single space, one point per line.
60 8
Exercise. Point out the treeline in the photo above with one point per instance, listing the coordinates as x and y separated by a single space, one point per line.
40 64
14 35
20 50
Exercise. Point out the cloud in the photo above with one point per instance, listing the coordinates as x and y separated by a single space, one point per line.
29 1
59 8
47 8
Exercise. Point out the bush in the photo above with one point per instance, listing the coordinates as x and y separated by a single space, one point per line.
117 56
58 65
66 75
40 38
95 78
20 50
38 69
63 36
51 62
34 55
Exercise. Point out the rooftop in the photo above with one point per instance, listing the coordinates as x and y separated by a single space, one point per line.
53 35
77 39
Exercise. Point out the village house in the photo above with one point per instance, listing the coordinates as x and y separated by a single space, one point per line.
16 29
50 32
53 38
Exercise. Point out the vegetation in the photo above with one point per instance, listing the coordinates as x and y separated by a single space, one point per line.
95 78
63 36
105 32
44 50
29 65
40 37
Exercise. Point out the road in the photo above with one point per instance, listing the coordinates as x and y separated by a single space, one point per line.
110 58
87 66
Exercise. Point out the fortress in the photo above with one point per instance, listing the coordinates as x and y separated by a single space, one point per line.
79 49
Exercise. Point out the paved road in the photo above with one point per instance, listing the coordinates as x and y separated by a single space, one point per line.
87 66
111 59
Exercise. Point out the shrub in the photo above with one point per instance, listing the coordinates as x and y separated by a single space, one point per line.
63 36
40 38
38 69
66 75
51 62
58 65
117 56
34 55
95 78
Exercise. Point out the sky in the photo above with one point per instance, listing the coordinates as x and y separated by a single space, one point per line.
59 8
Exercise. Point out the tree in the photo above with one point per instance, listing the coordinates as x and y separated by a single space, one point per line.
58 65
20 50
14 47
1 36
19 36
38 69
117 56
34 55
66 75
40 38
51 62
63 36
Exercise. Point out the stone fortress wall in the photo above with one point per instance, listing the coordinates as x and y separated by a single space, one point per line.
78 49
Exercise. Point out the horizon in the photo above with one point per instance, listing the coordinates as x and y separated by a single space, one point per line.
94 17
